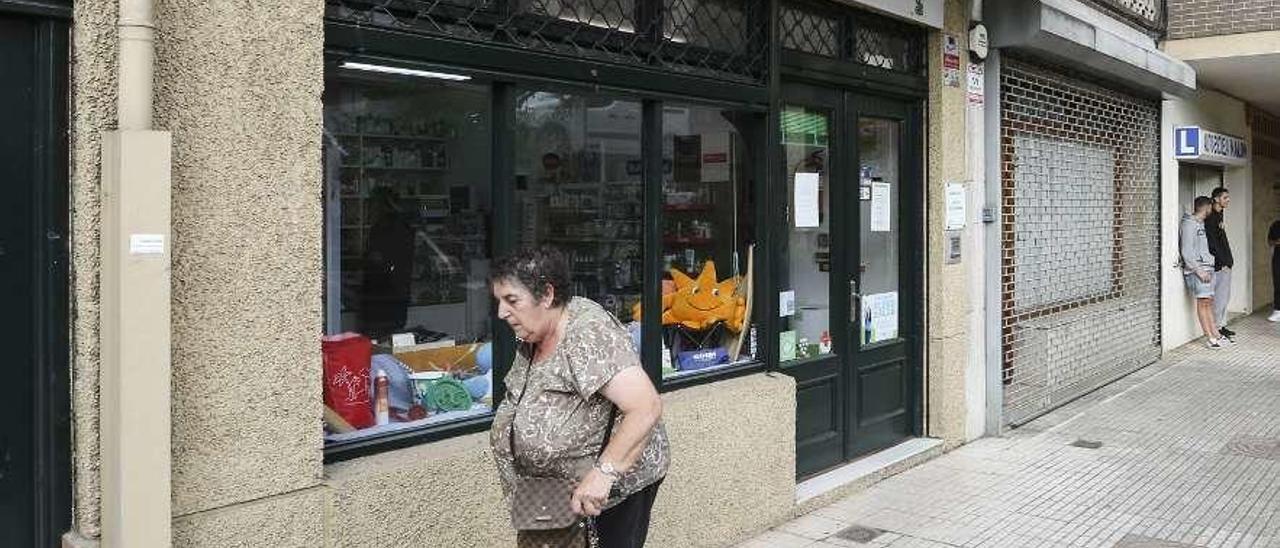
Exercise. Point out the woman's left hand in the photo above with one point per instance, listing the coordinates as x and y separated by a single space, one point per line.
592 493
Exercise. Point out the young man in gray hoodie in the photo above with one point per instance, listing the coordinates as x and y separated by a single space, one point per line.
1197 268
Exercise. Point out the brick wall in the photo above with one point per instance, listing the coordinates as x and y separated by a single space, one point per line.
1196 18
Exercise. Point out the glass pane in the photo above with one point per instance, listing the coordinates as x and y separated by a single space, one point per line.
407 166
879 228
616 15
707 237
809 32
717 24
805 298
579 188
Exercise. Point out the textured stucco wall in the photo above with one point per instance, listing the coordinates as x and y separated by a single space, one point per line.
731 475
238 84
1266 210
292 520
93 111
948 301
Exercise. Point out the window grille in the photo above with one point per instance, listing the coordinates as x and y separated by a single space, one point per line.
722 39
857 36
1080 236
1147 13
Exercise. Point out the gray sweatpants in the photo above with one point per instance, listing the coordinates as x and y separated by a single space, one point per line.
1221 295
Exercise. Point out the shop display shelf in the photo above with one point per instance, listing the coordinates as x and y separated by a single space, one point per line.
423 138
396 168
590 240
688 241
687 207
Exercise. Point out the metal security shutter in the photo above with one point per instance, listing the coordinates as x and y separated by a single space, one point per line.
1080 236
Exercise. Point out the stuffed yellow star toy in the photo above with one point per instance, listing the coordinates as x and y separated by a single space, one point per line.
699 303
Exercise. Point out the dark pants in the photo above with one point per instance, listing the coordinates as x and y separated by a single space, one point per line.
627 524
1275 282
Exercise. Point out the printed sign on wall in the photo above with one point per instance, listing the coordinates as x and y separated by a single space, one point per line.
1193 144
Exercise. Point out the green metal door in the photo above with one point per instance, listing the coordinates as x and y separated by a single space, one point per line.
848 271
35 488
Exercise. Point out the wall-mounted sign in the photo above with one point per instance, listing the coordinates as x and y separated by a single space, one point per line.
977 83
950 60
955 198
978 43
1194 144
925 12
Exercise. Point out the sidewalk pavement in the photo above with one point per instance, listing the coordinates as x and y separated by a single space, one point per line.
1189 456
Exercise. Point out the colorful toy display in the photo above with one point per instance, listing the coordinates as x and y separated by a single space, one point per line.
700 303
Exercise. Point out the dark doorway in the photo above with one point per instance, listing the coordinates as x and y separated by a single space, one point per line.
35 485
852 270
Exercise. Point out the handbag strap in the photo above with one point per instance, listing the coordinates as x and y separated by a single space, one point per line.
511 437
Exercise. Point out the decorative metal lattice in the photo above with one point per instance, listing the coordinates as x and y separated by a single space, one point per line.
1148 13
809 31
1080 236
723 39
860 37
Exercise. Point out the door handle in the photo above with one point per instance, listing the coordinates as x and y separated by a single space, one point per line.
855 299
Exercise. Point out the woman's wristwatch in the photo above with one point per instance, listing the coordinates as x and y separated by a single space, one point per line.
606 468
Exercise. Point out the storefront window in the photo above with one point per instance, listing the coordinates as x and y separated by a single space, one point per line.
804 301
579 188
707 238
407 171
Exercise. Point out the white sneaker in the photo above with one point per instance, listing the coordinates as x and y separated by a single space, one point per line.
1274 317
1214 344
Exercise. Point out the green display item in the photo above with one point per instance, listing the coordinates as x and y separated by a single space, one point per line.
447 394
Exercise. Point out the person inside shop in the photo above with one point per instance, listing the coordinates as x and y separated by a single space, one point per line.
1220 248
1197 267
552 169
388 264
1273 240
579 407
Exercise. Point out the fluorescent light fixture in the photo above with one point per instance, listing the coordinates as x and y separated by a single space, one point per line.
404 71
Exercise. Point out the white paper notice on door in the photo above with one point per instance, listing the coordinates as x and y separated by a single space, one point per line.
786 303
881 209
879 317
806 200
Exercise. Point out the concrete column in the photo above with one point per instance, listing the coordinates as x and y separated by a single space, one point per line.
135 423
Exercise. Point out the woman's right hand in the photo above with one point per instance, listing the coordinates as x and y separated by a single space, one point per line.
592 493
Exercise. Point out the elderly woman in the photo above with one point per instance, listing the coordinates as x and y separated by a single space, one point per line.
578 406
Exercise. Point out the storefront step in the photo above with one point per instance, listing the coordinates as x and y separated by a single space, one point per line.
862 473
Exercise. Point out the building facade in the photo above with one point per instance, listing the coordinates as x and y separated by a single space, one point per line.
1074 188
1235 50
925 215
240 183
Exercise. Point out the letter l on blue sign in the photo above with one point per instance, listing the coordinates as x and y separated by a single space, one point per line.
1188 141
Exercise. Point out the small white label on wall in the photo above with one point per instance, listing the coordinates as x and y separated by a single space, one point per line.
955 206
146 244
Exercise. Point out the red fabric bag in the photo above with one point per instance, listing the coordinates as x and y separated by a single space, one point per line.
346 377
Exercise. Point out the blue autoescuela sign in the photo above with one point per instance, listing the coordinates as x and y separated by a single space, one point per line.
1193 144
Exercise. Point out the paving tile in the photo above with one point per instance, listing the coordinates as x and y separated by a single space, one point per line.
813 527
1190 456
777 539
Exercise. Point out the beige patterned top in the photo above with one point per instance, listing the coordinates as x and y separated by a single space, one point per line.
560 422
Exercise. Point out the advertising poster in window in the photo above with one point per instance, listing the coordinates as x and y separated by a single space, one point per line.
879 317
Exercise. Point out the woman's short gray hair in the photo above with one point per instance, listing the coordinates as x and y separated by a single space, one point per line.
537 268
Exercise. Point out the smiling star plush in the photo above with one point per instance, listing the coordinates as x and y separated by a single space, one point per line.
699 303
